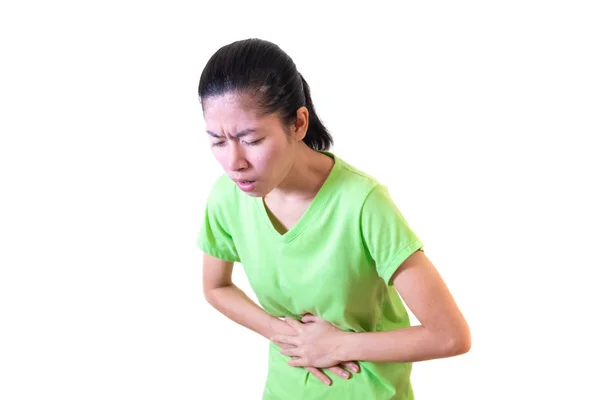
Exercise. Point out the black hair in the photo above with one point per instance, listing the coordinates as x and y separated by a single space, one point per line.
264 71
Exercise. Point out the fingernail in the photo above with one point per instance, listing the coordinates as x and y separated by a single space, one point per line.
345 375
355 369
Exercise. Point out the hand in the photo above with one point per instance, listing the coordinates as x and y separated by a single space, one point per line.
314 344
337 370
281 327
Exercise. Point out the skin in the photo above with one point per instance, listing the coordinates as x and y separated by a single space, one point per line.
288 175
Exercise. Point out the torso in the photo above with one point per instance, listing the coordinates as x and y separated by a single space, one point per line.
309 255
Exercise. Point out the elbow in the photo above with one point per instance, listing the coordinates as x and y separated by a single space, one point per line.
207 292
458 343
209 296
214 295
461 345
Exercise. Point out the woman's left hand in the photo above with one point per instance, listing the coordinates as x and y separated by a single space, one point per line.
316 343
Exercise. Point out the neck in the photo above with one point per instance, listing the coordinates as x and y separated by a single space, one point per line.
306 176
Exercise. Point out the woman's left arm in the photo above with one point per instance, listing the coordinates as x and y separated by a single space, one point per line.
443 331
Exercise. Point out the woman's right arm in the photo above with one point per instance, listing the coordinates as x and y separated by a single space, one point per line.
231 301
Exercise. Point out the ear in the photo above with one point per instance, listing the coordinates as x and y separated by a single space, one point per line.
300 127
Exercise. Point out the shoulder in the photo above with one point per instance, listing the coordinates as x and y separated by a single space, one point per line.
356 182
222 186
364 191
222 193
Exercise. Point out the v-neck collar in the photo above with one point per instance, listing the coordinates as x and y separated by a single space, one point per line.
309 214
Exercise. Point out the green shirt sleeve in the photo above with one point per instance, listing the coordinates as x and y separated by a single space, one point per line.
386 234
215 236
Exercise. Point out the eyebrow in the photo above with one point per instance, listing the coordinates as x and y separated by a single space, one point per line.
240 134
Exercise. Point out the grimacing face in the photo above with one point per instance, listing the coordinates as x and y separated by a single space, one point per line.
254 150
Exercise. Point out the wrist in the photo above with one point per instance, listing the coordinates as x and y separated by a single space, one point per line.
345 346
279 327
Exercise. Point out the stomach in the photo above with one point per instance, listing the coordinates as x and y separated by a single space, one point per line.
375 381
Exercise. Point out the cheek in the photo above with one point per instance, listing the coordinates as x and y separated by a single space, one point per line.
263 158
270 156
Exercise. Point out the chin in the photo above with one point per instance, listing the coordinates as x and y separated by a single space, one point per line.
256 192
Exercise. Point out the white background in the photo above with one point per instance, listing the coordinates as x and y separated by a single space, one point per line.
481 117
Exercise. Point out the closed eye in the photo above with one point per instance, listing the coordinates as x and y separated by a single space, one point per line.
254 143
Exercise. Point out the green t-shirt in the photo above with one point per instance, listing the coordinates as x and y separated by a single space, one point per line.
336 262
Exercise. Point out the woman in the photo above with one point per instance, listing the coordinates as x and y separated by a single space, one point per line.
325 249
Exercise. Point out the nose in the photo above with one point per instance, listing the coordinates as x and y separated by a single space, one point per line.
236 158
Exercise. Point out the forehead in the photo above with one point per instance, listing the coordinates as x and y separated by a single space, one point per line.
224 102
231 113
228 109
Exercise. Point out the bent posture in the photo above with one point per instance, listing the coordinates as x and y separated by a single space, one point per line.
326 250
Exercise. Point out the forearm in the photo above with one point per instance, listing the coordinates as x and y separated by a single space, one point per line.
410 344
232 302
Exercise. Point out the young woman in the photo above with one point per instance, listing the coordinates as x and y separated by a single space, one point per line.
326 251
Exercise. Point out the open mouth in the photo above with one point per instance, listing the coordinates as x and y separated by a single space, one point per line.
246 185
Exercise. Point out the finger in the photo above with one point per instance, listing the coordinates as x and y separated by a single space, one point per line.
284 339
351 365
291 352
320 375
297 362
294 324
308 318
341 372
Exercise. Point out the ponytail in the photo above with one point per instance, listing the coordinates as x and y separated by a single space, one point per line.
317 137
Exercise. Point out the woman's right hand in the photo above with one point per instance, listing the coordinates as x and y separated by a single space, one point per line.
338 370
